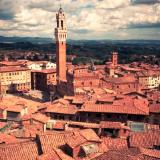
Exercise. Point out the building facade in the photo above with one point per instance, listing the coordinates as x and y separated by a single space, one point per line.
40 65
43 80
15 79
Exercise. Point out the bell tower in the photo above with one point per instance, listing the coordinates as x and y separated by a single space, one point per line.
60 37
115 59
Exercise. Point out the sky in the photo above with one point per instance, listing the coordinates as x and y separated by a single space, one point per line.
86 19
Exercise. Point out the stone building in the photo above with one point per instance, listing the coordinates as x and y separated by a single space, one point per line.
15 79
43 80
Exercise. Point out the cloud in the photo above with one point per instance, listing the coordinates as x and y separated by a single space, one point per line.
136 2
8 9
94 19
81 31
145 25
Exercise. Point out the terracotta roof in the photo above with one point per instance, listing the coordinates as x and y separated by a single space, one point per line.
13 63
145 139
154 108
150 152
82 137
16 108
77 101
130 69
5 138
46 71
63 109
113 125
102 108
29 131
54 139
147 73
59 124
2 107
106 98
114 155
40 117
55 154
61 101
2 124
90 135
13 69
84 124
76 140
121 80
19 151
115 143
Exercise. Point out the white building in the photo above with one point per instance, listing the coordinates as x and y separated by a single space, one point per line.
39 65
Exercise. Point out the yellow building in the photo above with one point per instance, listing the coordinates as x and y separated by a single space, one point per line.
14 78
149 80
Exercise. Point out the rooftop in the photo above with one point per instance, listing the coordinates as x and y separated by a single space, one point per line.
12 69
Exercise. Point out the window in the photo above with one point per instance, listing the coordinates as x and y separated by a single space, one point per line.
61 23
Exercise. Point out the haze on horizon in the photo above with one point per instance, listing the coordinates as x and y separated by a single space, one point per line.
86 19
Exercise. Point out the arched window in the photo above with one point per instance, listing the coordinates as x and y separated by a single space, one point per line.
57 23
61 23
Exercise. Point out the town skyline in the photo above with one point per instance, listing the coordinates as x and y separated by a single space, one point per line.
86 20
90 106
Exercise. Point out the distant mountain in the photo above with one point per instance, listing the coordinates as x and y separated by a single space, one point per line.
37 40
41 40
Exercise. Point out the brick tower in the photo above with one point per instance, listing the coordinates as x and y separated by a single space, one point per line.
61 36
114 59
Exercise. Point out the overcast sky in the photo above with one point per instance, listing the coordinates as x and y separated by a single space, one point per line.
86 19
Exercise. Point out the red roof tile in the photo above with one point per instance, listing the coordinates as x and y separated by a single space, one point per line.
114 155
154 108
45 71
150 152
19 151
90 135
54 139
121 80
16 108
5 138
75 140
2 124
60 108
113 125
58 125
40 117
12 69
115 143
55 154
121 109
145 139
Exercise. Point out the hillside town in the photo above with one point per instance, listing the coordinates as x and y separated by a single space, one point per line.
61 111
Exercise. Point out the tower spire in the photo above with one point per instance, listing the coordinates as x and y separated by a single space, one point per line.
60 9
